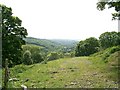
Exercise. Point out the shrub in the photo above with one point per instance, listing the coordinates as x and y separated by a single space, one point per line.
27 60
72 54
109 39
52 56
114 49
61 55
67 55
19 69
37 58
87 47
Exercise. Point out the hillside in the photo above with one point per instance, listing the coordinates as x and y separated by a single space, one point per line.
52 45
77 72
28 62
65 42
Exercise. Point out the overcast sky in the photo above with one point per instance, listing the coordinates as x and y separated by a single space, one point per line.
62 19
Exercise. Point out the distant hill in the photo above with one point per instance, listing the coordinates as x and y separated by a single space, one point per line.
53 44
65 42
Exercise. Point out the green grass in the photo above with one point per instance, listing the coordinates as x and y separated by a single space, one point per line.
80 72
104 54
77 72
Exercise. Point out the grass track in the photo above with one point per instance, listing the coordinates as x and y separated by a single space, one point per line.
78 72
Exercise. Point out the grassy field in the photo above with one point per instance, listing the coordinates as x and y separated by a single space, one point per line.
77 72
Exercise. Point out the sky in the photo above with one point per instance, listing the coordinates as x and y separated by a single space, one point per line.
62 19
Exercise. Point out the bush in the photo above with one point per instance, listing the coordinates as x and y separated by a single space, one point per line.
19 69
87 47
27 60
110 51
72 54
67 55
52 56
114 49
109 39
35 52
37 58
61 55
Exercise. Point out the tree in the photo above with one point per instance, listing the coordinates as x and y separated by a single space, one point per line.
87 47
37 57
52 56
12 37
101 5
67 55
36 51
27 60
109 39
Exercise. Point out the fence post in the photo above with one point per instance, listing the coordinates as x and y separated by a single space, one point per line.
6 76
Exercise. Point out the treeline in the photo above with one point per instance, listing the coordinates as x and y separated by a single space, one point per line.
92 45
35 54
32 54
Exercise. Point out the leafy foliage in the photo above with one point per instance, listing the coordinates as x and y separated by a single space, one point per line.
104 54
101 5
19 69
92 45
37 57
87 47
27 60
31 48
12 37
53 56
109 39
35 51
68 55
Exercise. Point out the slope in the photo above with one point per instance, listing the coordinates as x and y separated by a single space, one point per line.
51 45
77 72
65 42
